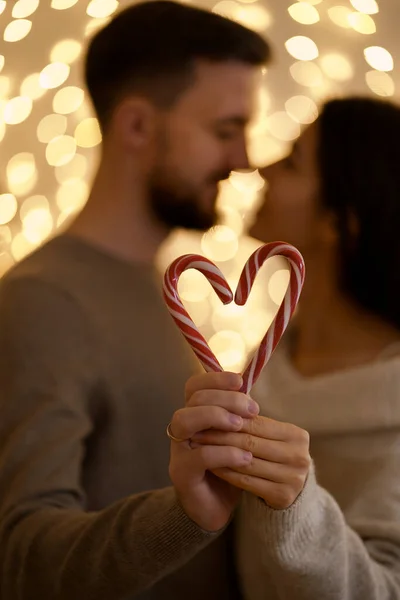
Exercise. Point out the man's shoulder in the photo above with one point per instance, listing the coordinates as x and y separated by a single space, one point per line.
44 272
53 264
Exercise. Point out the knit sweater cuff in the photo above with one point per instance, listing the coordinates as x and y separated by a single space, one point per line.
175 534
289 531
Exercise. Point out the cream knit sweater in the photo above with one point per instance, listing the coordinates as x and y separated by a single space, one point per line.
341 538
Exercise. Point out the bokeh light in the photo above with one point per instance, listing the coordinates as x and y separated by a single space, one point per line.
304 13
24 8
302 48
379 58
17 30
17 110
22 174
369 7
337 67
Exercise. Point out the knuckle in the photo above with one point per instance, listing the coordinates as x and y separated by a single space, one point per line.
179 422
303 461
205 455
302 436
198 398
249 443
282 496
297 481
244 480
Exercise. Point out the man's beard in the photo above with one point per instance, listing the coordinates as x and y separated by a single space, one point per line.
174 210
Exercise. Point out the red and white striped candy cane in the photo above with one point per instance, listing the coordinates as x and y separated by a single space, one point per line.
222 289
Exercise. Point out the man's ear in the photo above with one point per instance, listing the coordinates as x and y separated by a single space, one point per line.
135 122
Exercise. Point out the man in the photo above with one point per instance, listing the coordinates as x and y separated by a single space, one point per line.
91 367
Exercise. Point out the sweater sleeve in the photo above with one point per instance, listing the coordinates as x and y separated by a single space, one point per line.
50 547
311 550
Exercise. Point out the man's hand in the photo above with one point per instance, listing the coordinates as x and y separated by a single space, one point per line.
212 403
281 459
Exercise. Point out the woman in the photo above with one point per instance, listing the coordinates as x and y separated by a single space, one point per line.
329 530
337 374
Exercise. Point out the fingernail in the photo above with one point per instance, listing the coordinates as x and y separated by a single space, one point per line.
236 420
253 407
247 457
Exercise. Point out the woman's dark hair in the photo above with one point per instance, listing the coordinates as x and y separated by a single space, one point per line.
359 157
151 48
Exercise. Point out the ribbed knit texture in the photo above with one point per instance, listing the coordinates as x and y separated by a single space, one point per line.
341 539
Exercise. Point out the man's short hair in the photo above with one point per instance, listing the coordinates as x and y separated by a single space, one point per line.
151 48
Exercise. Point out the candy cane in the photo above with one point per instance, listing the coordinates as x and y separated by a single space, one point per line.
222 289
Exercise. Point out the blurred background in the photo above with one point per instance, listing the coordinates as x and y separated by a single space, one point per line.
49 139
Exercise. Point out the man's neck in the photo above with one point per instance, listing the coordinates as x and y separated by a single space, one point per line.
117 219
333 333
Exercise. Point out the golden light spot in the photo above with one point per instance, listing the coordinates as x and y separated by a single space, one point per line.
302 109
6 262
72 195
37 202
24 8
193 286
75 169
66 51
307 73
278 284
220 243
254 17
340 16
302 48
8 208
68 100
94 25
50 127
5 85
229 348
380 83
54 75
87 133
264 150
21 247
5 236
101 8
2 61
337 67
17 110
31 87
369 7
282 127
37 225
17 30
379 58
362 23
60 150
22 174
304 13
62 4
3 4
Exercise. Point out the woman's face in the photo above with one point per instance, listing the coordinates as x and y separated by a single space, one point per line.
291 211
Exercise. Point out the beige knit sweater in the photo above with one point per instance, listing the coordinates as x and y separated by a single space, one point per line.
341 539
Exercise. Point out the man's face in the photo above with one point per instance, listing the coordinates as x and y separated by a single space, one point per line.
201 140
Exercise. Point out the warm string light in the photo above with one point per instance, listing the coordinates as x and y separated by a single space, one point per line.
46 180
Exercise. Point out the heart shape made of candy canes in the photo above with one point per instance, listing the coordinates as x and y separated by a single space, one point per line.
224 292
